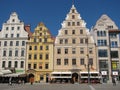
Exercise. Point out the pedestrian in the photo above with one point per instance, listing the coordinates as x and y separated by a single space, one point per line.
10 81
113 81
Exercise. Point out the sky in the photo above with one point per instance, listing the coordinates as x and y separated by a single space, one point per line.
53 12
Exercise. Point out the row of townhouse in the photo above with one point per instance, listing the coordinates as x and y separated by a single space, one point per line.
75 49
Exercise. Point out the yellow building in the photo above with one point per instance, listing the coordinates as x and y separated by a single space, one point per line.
39 61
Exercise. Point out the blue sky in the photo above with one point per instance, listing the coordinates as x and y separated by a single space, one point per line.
53 12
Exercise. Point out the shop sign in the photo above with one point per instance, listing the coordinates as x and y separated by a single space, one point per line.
104 72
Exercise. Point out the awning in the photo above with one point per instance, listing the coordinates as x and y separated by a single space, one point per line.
5 72
1 73
61 73
56 73
14 75
89 72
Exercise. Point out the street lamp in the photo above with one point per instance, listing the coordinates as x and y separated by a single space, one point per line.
88 66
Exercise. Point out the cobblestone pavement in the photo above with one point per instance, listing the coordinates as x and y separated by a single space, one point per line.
44 86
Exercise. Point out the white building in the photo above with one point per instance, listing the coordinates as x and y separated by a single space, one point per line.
106 37
13 37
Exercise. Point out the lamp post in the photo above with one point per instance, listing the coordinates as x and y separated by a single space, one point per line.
88 65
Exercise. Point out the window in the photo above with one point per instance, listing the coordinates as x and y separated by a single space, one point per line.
59 51
47 47
18 35
73 16
81 31
29 66
73 41
73 31
45 39
16 64
58 61
35 66
23 43
12 35
35 56
18 28
11 43
30 47
73 23
66 41
46 66
40 65
10 53
7 28
17 43
5 43
110 27
82 61
61 41
65 61
66 32
6 35
35 47
90 51
69 24
73 10
41 47
35 40
78 23
22 64
91 61
16 53
12 28
114 65
113 35
40 34
81 50
3 64
40 56
102 53
73 50
73 61
102 42
40 40
103 64
30 56
114 44
114 54
4 53
47 56
22 53
66 50
13 20
101 33
9 64
81 41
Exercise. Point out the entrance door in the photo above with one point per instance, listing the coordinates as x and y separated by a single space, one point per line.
75 77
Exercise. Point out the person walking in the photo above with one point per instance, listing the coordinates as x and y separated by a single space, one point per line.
113 81
10 81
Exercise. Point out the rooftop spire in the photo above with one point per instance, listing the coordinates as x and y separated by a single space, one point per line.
73 1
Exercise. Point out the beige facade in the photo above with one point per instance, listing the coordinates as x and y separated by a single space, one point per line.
74 46
40 54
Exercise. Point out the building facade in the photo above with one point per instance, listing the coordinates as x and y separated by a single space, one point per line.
13 38
106 37
40 54
74 46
